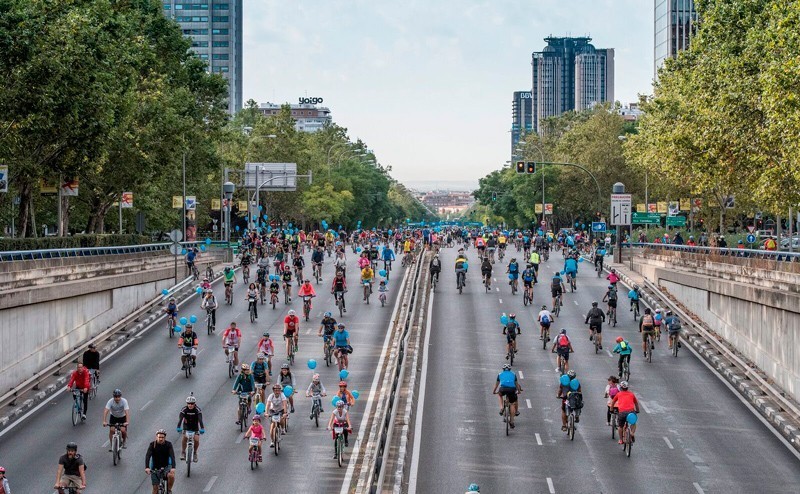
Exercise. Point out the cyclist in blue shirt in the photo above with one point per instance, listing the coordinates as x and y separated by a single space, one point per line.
513 270
508 385
190 257
571 268
341 342
624 350
387 255
633 295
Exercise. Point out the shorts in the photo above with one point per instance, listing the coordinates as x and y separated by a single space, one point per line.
563 353
612 303
527 284
513 276
645 333
262 379
71 481
511 393
622 418
112 420
290 334
511 336
597 327
555 292
235 348
154 475
327 337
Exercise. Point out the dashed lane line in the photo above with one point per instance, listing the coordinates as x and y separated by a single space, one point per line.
538 439
669 444
210 484
528 402
698 488
550 486
146 405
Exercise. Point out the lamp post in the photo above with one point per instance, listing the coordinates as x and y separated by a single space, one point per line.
618 188
227 189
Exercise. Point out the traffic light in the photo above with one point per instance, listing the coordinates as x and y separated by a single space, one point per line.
530 167
520 167
494 196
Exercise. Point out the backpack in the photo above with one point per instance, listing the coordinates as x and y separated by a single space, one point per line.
563 340
648 321
575 400
612 295
511 327
674 325
459 264
545 319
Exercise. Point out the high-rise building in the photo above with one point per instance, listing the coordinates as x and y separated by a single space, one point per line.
675 26
307 117
570 74
521 116
215 28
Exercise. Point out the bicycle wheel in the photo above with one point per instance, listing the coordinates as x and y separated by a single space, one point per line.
230 368
276 439
339 450
649 349
242 418
76 413
316 416
252 314
208 325
545 337
507 417
596 344
187 367
253 457
511 357
613 425
571 426
114 448
628 442
169 327
189 459
273 301
675 347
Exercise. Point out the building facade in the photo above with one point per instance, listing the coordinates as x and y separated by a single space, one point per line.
215 28
570 74
675 26
307 117
521 116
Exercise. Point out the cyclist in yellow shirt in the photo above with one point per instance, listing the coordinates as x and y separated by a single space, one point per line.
367 275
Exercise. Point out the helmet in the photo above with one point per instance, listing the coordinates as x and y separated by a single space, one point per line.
315 377
257 417
260 356
284 366
340 325
563 331
572 374
292 312
513 259
613 270
117 392
227 269
635 287
669 312
2 470
506 366
473 488
172 299
343 383
160 432
544 307
188 326
557 273
245 367
209 290
205 278
340 404
327 314
72 446
594 304
620 339
610 286
512 315
307 281
623 385
276 386
265 335
191 399
647 310
658 311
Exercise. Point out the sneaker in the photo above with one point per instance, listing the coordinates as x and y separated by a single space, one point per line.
83 416
577 419
124 444
620 442
195 457
194 364
540 337
109 450
512 425
591 337
601 347
644 354
292 410
183 456
501 412
564 428
346 444
344 310
608 424
506 356
271 445
516 414
238 422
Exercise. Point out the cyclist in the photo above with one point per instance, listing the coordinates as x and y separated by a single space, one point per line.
533 261
367 275
341 340
462 266
545 319
339 287
314 391
291 330
340 417
486 271
274 287
647 326
231 338
190 419
252 298
160 454
673 325
326 329
480 245
435 267
528 280
188 342
71 470
595 319
563 395
287 281
613 277
299 263
266 347
626 402
612 388
5 488
571 267
257 431
119 411
513 271
229 277
205 284
611 298
507 385
91 360
634 295
210 305
345 395
190 257
244 383
172 310
599 255
657 318
276 405
556 288
259 369
341 263
82 380
623 348
317 257
511 330
307 290
261 277
286 378
563 347
388 256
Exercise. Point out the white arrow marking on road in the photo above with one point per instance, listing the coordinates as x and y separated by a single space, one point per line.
538 439
146 405
501 300
550 486
669 444
210 484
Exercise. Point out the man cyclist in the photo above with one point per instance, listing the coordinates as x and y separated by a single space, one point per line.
190 257
611 298
341 341
326 330
81 379
388 256
231 338
511 330
160 454
563 347
507 385
188 344
119 411
545 319
367 277
599 255
624 349
190 419
626 402
528 280
338 287
595 319
673 325
486 271
564 392
513 271
317 258
435 267
244 383
277 404
287 281
261 277
461 268
91 360
71 471
259 368
556 288
172 310
634 295
647 326
533 260
291 329
299 264
571 269
210 305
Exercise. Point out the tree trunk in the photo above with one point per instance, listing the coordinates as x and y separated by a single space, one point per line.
33 218
64 216
24 208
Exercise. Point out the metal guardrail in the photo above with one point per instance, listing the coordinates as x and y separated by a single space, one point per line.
779 256
29 255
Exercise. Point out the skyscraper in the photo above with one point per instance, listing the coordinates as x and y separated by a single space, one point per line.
675 25
521 116
215 28
570 74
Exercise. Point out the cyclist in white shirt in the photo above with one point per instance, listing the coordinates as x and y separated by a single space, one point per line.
545 319
276 405
120 413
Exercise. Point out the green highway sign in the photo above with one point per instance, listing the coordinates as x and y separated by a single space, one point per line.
676 220
646 219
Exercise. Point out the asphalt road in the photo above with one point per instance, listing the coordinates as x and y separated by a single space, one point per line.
694 434
148 372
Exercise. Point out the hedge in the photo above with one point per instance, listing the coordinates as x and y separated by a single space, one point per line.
72 242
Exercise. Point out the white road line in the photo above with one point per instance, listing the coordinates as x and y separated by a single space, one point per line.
146 405
609 352
210 484
550 486
520 375
576 302
200 351
669 444
176 376
496 288
501 300
528 402
412 477
105 444
538 439
240 438
644 407
698 488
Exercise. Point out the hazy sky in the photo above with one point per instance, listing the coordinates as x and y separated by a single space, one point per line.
427 84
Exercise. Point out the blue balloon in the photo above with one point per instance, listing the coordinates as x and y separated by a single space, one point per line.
260 207
237 228
563 272
183 252
208 241
343 374
504 319
198 290
177 328
358 249
574 385
335 400
290 225
288 391
580 259
632 418
355 394
564 380
164 292
382 272
202 247
260 408
193 319
266 217
183 321
312 364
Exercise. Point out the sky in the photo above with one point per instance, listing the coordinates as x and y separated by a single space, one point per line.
428 84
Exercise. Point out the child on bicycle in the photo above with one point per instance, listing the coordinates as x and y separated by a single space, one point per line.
256 430
382 288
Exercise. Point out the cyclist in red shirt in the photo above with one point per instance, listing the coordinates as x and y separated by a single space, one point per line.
306 290
81 379
291 328
625 401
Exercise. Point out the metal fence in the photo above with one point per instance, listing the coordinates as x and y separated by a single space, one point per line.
29 255
761 259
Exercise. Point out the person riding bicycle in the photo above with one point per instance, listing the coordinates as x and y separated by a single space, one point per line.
633 296
81 379
624 349
172 309
210 304
287 281
188 342
291 329
507 385
91 360
528 279
286 378
462 266
315 390
571 267
256 430
673 325
307 290
563 347
326 328
387 254
647 326
317 258
277 404
5 487
261 276
556 288
613 277
367 277
567 401
339 287
71 471
626 402
251 297
486 271
231 338
657 320
341 344
595 319
160 454
190 419
267 347
513 270
611 298
260 370
511 330
435 267
244 383
299 264
117 411
190 257
274 287
533 260
229 276
545 319
345 395
340 417
612 388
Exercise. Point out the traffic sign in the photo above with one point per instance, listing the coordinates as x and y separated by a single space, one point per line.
175 249
127 200
598 226
191 203
620 209
646 219
751 239
548 208
676 220
543 223
751 228
176 235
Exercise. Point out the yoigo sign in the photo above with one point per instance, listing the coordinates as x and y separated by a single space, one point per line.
309 101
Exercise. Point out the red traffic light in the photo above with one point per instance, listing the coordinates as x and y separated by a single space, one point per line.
520 167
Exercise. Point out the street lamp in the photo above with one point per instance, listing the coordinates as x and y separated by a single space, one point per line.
227 189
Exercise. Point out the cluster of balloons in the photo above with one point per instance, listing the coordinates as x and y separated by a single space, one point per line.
274 277
573 384
504 319
343 375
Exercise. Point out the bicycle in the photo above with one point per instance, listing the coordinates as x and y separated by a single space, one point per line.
230 359
341 358
244 410
595 340
210 272
194 272
367 290
339 296
527 296
251 304
674 341
612 316
306 306
186 361
77 407
291 349
571 424
571 282
116 443
229 293
649 348
316 408
287 293
557 308
246 274
273 299
510 353
487 282
262 292
614 417
209 322
434 281
508 417
501 254
317 269
460 281
545 336
514 286
275 435
626 370
170 324
387 266
635 310
627 439
255 453
329 351
189 451
163 480
338 441
599 268
93 385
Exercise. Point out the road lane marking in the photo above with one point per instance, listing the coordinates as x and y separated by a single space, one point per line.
576 302
210 484
550 486
200 351
105 444
609 353
520 375
698 488
421 403
528 402
240 438
146 405
644 407
176 376
501 300
669 444
538 439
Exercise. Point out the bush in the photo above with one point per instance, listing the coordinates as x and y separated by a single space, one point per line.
72 242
